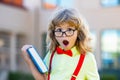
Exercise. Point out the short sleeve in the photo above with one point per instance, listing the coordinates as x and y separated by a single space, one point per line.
91 70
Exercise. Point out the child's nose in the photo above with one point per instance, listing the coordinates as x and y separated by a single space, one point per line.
64 35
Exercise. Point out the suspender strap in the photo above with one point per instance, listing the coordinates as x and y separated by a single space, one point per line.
50 64
81 59
79 65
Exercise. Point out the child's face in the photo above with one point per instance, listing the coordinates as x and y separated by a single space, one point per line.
66 35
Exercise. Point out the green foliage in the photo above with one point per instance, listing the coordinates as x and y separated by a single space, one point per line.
19 76
108 77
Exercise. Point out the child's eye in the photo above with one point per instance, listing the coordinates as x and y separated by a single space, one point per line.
70 29
59 30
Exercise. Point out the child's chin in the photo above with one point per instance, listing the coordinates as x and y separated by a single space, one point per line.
66 47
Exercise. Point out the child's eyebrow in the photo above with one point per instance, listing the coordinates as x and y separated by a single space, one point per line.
66 28
57 26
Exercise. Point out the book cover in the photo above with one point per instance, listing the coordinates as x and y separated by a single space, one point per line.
36 59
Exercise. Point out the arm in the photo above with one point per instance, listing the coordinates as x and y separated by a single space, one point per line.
91 71
37 75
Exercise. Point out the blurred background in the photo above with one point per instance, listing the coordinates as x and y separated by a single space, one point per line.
26 22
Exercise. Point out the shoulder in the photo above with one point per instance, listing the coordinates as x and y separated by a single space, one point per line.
89 54
90 67
90 62
90 58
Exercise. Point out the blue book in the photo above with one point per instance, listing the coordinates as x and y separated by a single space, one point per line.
36 59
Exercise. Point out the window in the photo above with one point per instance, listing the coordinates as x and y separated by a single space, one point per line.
4 39
110 46
109 3
20 41
4 49
52 4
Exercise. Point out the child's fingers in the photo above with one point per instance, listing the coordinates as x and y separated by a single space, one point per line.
46 76
35 72
25 55
24 52
25 47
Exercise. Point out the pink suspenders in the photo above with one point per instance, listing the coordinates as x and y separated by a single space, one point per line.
78 67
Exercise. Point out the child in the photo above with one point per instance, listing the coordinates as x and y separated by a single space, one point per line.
69 56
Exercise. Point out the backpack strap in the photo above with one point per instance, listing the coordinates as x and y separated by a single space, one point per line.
79 65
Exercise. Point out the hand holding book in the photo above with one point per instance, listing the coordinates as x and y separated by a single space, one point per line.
34 62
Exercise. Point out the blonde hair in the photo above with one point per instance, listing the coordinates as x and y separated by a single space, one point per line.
71 17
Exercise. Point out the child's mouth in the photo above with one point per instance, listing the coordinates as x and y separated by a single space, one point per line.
65 42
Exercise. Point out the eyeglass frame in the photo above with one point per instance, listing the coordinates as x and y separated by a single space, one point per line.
64 32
